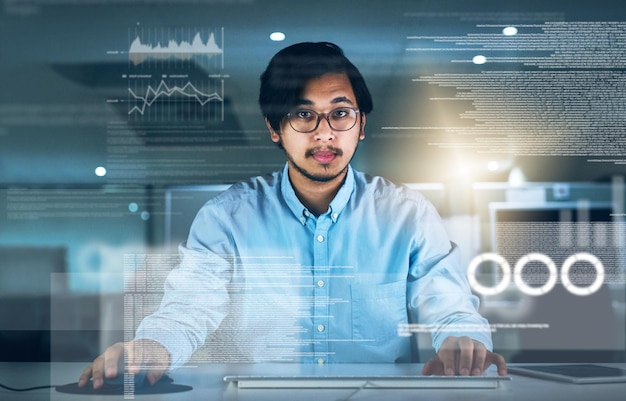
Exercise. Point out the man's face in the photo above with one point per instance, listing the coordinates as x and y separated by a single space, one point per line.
323 154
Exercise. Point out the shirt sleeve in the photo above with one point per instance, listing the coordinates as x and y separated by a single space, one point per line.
195 299
439 295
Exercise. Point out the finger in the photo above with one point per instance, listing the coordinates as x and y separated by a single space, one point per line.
134 356
433 367
97 372
447 355
84 377
498 360
448 361
465 355
154 375
480 356
112 358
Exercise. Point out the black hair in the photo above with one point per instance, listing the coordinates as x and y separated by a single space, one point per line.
293 67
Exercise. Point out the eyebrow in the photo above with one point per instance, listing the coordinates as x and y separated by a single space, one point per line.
338 99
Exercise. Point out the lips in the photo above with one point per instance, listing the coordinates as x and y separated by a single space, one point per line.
324 157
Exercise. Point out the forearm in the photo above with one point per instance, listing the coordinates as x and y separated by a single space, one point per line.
441 302
194 304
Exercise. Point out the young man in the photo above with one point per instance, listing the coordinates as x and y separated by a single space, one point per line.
317 263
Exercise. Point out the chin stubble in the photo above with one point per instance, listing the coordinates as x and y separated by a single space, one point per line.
317 177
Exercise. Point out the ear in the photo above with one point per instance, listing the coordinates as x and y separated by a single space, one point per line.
362 130
273 134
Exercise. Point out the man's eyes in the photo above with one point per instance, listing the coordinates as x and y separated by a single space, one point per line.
340 113
312 115
305 114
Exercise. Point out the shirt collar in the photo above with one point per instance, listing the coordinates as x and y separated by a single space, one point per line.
336 205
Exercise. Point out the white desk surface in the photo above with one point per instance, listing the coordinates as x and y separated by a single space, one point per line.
208 385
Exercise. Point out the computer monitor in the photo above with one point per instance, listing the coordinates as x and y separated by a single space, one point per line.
566 290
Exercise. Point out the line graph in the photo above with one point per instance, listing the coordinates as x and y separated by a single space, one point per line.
175 74
178 98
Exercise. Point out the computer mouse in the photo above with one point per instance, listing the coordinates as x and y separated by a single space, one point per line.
125 383
138 380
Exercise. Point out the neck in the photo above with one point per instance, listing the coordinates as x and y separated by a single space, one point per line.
315 195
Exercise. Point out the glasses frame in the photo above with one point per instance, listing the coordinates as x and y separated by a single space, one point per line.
319 118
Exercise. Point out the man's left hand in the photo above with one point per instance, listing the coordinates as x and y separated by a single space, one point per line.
465 357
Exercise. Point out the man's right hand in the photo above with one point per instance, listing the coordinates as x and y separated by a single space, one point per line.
140 354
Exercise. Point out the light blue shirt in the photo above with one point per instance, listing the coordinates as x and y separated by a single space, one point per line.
263 279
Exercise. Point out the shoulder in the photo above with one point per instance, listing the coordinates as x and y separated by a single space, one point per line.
381 188
390 200
251 191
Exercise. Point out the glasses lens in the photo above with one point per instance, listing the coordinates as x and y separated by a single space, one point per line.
303 120
341 119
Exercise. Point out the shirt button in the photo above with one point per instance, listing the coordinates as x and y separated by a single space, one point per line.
303 220
320 361
320 238
335 215
306 213
320 283
320 327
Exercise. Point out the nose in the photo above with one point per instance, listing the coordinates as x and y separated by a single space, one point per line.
324 132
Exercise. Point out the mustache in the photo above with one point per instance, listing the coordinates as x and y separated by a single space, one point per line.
312 151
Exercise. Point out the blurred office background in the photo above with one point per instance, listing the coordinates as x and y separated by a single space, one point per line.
119 119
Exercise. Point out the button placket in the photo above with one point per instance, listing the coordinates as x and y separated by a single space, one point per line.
320 279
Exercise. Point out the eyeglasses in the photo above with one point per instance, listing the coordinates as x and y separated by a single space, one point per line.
340 119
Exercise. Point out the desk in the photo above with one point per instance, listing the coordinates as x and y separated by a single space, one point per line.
209 386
